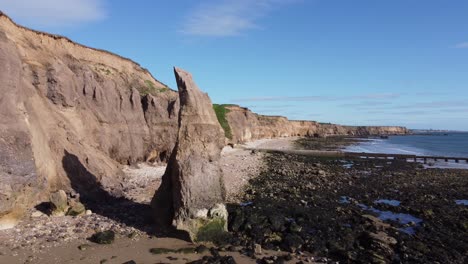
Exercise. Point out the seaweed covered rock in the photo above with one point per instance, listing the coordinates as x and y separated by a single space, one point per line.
192 192
105 237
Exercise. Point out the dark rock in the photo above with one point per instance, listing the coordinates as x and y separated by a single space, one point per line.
295 228
237 221
292 242
202 249
105 237
215 259
277 222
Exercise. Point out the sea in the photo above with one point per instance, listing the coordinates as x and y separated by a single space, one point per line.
447 144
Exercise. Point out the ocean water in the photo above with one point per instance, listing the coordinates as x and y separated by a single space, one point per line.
438 144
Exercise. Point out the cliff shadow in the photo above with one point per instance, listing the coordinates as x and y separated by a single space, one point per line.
120 209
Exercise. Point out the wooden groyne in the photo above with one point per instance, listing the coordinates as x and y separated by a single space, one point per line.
356 155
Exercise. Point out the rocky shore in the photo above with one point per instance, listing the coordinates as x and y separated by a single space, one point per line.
283 209
355 211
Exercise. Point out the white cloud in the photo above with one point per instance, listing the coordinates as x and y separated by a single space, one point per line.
55 13
228 17
463 45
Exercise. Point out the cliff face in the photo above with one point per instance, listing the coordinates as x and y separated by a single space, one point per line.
246 125
70 114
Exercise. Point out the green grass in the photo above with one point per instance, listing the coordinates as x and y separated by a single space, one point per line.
149 88
221 112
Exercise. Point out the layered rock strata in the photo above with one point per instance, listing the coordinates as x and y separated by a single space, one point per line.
70 115
245 126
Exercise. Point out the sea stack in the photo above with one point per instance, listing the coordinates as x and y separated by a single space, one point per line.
191 196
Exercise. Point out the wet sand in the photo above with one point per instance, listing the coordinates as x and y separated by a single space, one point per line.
122 250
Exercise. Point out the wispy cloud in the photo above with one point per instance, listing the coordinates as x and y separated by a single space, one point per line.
317 98
55 13
366 104
463 45
228 17
434 105
284 98
399 113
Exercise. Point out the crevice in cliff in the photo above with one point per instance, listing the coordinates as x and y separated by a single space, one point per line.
145 102
171 108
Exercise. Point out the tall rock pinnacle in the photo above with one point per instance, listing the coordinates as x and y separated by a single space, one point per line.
192 192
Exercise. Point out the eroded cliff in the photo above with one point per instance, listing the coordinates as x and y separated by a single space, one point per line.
70 115
244 125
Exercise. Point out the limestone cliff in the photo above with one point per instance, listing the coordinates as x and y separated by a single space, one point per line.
245 125
70 115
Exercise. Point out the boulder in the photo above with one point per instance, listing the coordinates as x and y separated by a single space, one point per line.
104 237
59 202
76 208
192 192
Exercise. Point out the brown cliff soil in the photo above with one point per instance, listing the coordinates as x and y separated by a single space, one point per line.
71 117
244 126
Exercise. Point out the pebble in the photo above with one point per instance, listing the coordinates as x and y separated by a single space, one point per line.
257 249
36 214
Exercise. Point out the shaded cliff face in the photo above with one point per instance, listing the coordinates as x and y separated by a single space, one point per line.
246 125
67 110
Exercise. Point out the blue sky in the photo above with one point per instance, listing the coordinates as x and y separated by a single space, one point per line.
355 62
